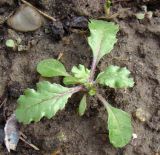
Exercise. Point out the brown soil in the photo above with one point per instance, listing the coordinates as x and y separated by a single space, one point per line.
138 49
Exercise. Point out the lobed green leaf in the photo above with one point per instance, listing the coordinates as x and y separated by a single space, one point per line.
115 77
119 126
51 68
46 101
80 75
102 38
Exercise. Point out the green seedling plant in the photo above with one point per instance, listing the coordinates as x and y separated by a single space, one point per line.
49 98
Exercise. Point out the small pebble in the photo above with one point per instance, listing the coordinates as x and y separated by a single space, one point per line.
144 8
149 14
134 136
23 48
142 115
140 16
25 19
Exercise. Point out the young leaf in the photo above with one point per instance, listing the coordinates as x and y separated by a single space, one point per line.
102 38
115 77
51 68
70 80
82 105
119 126
80 75
46 101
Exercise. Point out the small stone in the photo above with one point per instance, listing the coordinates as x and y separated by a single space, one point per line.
149 14
142 115
25 19
144 8
23 48
140 16
134 136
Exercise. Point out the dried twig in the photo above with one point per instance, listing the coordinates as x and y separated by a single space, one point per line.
30 144
41 12
117 1
115 14
60 56
4 101
6 18
23 135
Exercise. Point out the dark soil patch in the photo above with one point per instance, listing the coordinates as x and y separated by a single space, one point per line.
138 49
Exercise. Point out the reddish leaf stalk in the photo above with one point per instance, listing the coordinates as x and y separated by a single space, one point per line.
93 69
77 89
102 99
